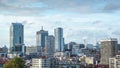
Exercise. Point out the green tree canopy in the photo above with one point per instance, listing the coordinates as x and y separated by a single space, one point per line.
15 63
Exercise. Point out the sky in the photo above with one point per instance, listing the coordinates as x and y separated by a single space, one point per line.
92 20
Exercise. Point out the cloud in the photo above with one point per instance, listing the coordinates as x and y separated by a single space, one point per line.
20 8
41 7
111 6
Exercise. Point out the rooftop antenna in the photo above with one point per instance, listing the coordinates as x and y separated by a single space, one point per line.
42 28
85 41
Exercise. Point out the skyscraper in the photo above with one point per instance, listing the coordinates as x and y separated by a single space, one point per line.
108 50
16 37
40 37
49 45
59 40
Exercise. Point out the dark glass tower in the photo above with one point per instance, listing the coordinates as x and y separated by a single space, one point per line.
16 37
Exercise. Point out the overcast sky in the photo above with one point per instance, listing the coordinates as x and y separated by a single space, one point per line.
92 20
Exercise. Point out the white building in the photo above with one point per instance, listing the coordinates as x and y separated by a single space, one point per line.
114 62
40 63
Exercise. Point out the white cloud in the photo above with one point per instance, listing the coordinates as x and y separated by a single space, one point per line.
77 26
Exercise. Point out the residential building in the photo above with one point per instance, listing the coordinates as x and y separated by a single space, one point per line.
114 62
108 50
40 63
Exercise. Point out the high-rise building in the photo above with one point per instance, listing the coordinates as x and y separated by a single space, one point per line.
40 37
16 37
59 40
49 45
108 50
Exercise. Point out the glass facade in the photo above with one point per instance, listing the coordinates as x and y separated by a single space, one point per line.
40 38
16 37
59 40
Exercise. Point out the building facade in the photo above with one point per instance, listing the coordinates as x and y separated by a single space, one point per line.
31 50
50 46
16 37
108 50
59 40
114 62
40 37
40 63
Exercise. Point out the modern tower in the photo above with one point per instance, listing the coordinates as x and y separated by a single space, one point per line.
49 45
40 37
16 37
59 40
108 50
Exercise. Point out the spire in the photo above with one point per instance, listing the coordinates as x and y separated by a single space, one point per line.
42 28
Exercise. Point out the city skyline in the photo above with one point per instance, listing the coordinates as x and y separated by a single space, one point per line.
80 19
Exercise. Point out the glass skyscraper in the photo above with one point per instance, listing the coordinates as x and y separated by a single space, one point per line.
59 40
16 37
40 37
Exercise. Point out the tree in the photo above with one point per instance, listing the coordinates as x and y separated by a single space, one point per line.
15 63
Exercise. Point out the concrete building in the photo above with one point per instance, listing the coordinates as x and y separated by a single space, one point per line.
114 62
40 63
16 37
65 63
76 49
50 45
31 50
108 50
40 37
3 51
59 40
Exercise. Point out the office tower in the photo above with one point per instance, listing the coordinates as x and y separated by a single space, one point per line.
16 37
108 50
59 40
49 45
40 37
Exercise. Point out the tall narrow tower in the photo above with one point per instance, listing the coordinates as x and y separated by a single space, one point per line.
49 45
16 37
59 40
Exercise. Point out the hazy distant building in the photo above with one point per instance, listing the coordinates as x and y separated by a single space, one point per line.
75 49
108 50
40 37
50 46
16 37
31 50
59 40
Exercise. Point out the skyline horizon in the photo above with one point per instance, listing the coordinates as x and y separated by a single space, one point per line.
84 38
90 19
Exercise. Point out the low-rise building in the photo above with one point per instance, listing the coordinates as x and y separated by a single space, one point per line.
40 63
31 50
114 62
